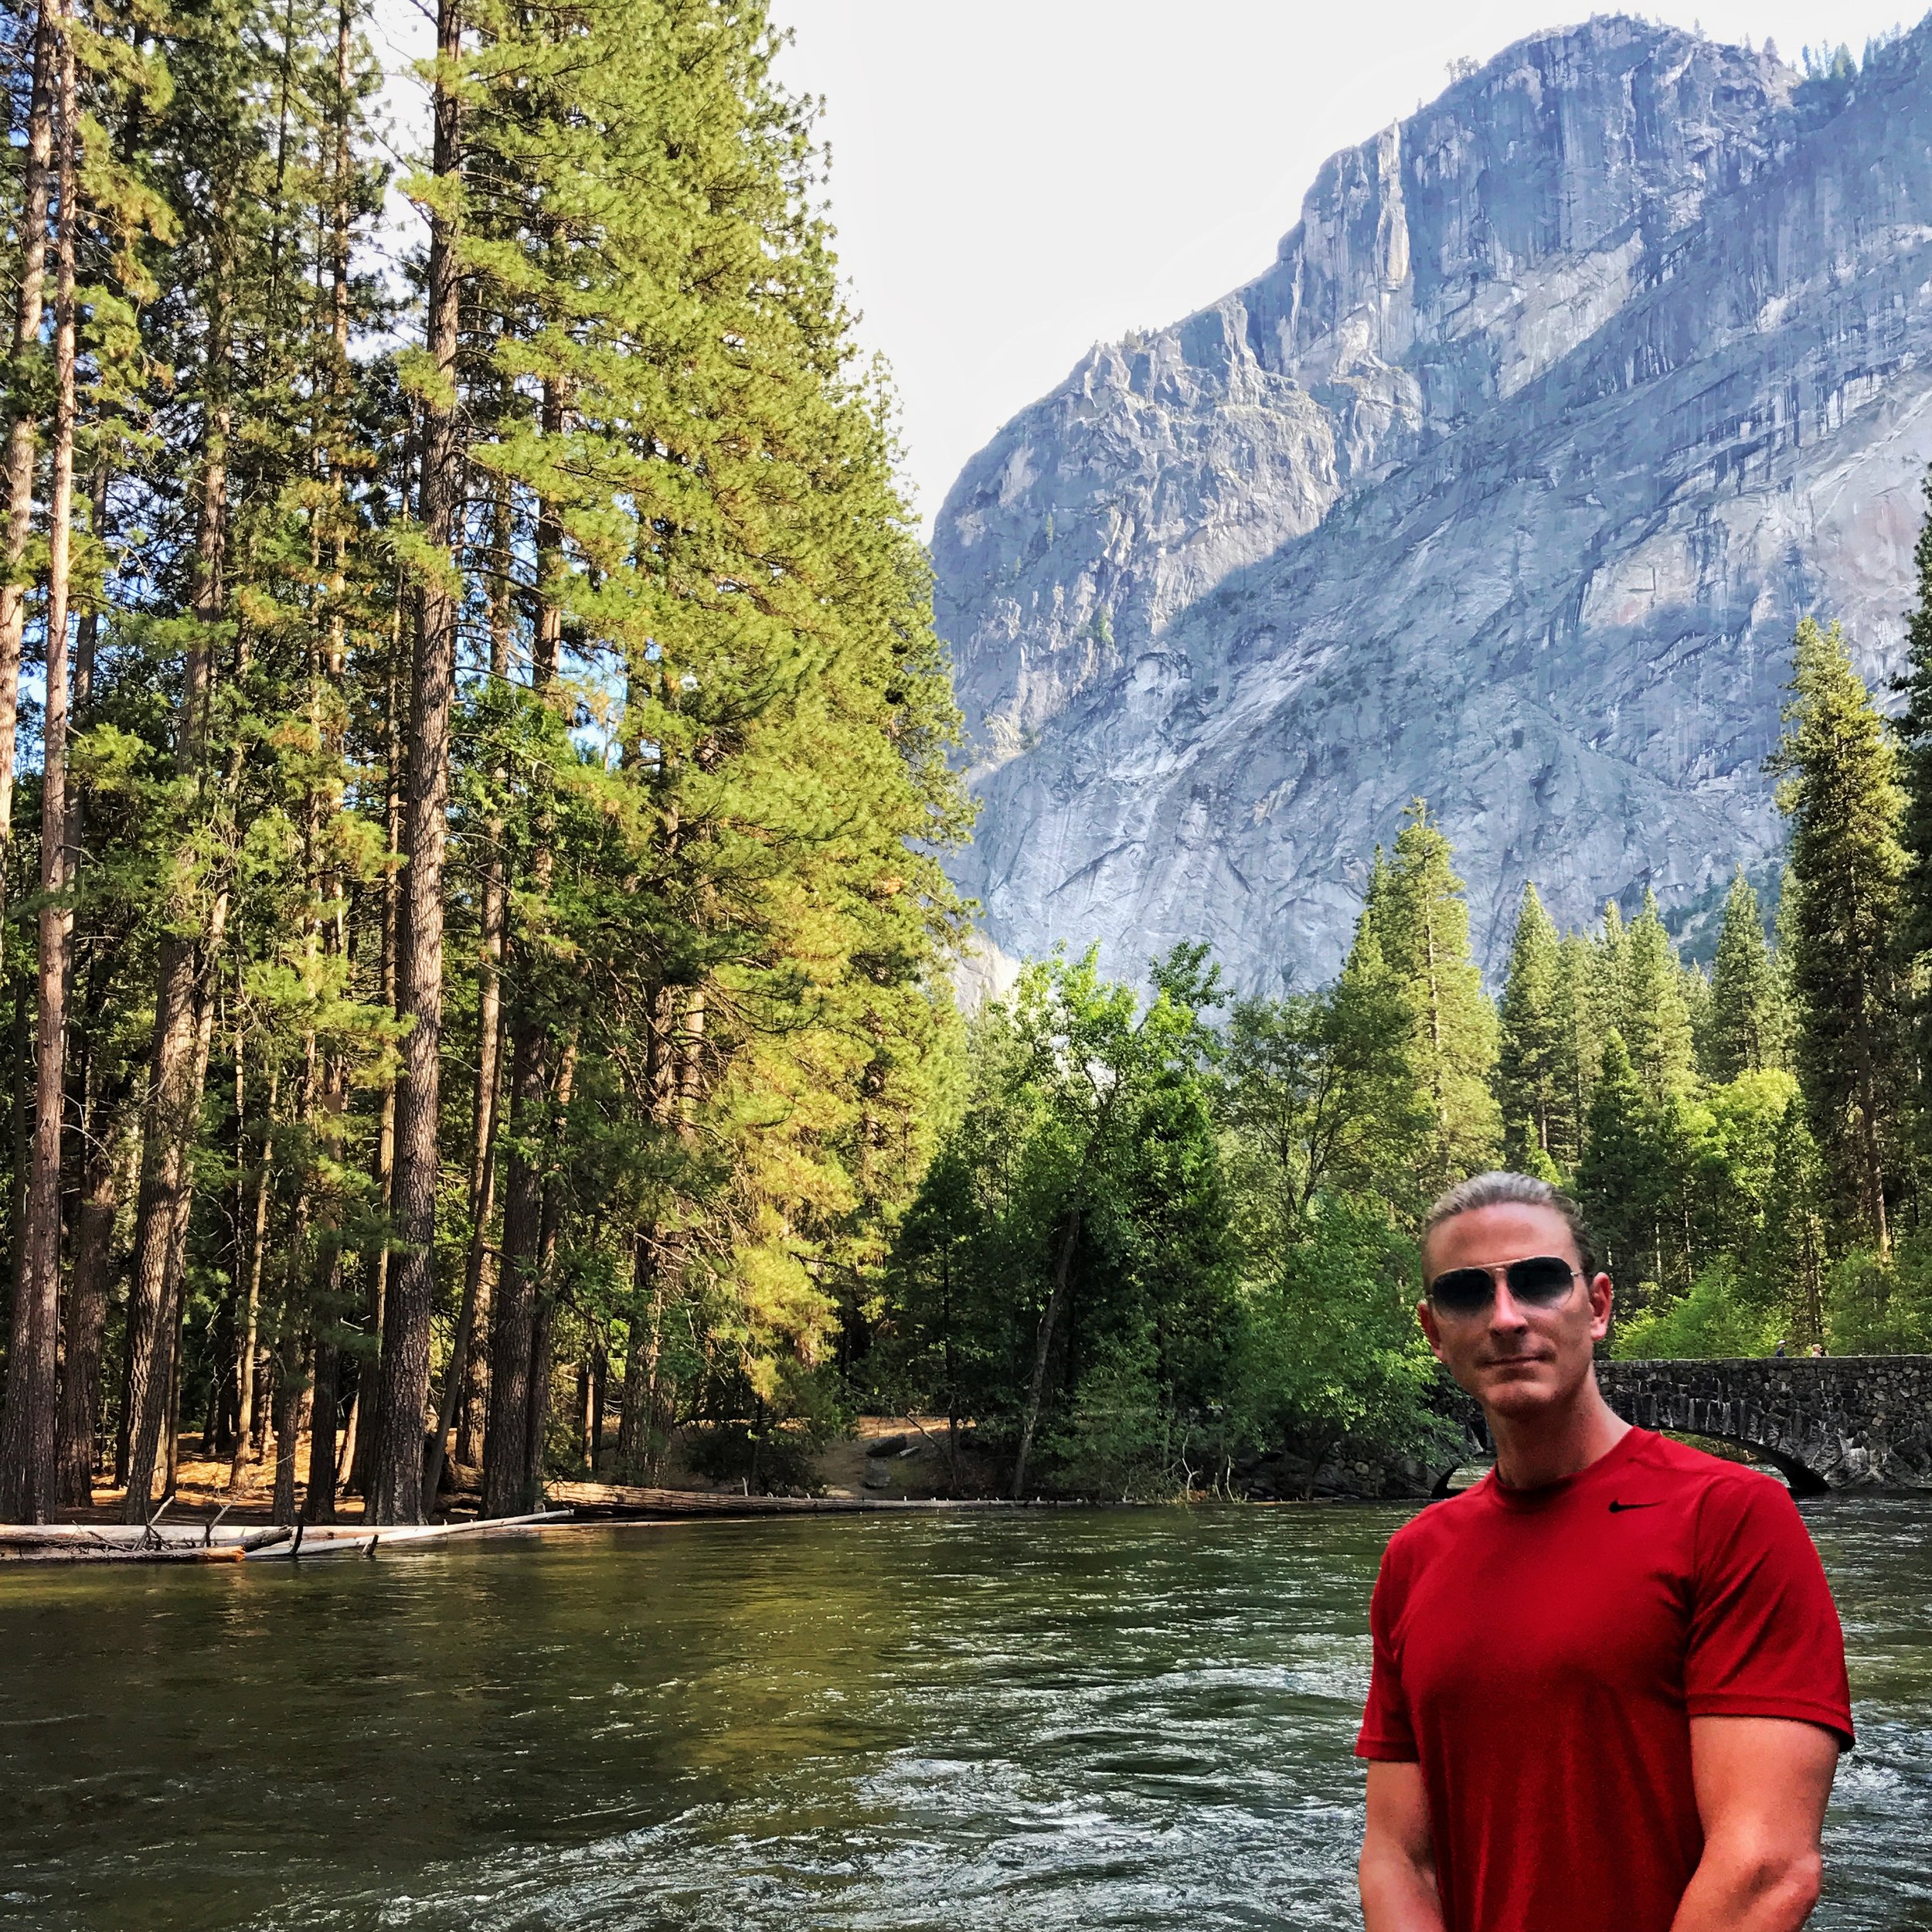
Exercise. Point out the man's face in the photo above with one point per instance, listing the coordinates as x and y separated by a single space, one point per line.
1518 1362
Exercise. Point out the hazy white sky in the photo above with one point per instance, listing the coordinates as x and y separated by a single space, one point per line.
1013 180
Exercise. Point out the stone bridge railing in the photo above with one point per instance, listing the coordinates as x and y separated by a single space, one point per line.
1827 1422
1834 1422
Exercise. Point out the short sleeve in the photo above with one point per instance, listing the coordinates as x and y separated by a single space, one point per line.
1765 1640
1387 1735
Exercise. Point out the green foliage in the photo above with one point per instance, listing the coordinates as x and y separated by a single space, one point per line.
1333 1352
1415 928
1652 1014
1529 1085
1840 791
1083 1175
1875 1306
1718 1317
1746 1029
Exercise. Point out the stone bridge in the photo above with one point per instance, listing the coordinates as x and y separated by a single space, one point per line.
1833 1422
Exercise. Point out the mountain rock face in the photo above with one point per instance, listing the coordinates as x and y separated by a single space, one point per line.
1505 486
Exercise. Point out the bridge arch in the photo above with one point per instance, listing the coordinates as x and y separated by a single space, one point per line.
1823 1421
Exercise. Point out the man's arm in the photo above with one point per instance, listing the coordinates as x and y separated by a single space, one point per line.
1762 1783
1397 1870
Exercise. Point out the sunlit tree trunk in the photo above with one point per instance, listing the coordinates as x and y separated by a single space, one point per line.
396 1475
29 1456
23 432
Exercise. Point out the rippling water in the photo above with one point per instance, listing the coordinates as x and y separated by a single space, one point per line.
1121 1719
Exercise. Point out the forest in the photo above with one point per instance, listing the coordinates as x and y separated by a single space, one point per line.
472 899
475 769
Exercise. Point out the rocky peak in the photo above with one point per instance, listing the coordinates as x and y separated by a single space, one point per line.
1503 484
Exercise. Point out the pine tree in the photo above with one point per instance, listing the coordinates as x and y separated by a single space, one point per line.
29 1468
1743 1034
1611 952
1529 1075
1790 1257
1416 914
1579 1048
25 401
1914 726
1617 1178
1652 1014
1840 791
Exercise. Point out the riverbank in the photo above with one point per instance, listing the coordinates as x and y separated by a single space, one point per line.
889 1464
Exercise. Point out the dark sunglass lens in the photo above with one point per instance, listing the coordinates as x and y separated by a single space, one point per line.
1462 1291
1542 1280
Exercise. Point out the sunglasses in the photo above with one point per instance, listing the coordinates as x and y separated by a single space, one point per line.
1542 1281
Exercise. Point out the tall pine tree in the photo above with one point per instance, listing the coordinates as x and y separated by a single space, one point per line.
1652 1014
1419 921
1744 1033
1529 1087
1840 791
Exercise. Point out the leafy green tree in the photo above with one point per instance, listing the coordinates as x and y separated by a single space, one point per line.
1840 789
1718 1318
1331 1349
1313 1094
1075 1217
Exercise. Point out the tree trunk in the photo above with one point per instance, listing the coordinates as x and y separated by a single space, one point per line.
358 1446
23 431
88 1299
658 1263
257 1253
288 1403
473 1398
505 1443
179 1060
396 1475
459 1377
160 1250
642 1345
1043 1349
29 1453
536 1428
593 1426
318 1501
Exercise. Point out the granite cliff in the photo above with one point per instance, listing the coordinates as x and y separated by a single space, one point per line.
1505 485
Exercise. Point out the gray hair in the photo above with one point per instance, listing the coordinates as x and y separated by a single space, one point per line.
1514 1190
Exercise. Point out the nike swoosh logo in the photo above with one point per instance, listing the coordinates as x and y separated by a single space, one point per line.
1616 1506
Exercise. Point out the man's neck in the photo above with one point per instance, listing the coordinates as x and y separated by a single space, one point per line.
1530 1453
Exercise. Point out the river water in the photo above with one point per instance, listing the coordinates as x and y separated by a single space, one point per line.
1133 1718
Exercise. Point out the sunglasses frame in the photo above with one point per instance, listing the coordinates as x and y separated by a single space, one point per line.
1503 1269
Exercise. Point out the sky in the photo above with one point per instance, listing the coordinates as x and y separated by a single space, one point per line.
1014 180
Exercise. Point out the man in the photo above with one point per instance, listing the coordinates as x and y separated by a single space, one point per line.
1609 1689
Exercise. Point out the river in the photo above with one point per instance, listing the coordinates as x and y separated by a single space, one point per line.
1133 1718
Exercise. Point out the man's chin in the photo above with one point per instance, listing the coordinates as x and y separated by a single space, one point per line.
1518 1389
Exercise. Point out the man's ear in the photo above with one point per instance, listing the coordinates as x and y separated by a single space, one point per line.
1426 1316
1602 1295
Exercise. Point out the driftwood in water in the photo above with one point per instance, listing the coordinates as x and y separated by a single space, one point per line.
74 1549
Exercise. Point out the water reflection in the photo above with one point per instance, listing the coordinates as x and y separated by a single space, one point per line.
1131 1718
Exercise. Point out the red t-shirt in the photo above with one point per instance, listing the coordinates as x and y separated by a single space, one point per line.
1540 1653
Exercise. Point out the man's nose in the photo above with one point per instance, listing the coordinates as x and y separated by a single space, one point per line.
1506 1313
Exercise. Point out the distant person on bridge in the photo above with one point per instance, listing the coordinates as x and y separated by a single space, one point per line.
1609 1690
